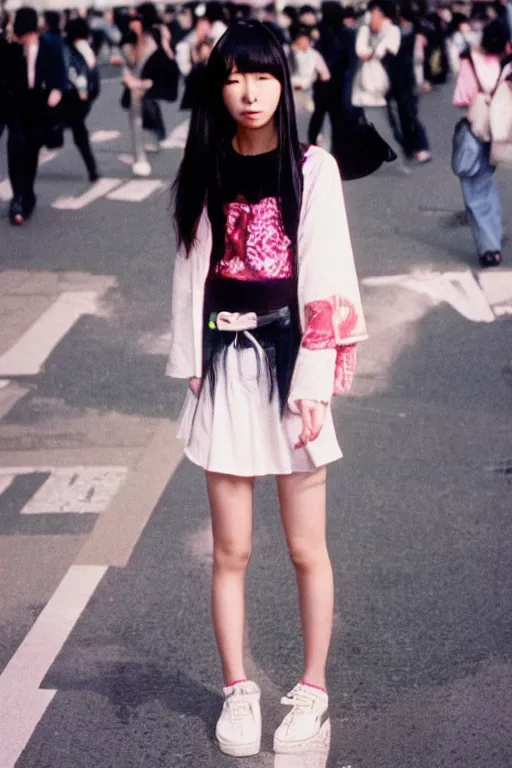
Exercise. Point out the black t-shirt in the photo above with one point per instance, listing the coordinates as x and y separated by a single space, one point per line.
252 265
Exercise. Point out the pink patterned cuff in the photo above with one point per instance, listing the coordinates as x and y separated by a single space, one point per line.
329 323
345 369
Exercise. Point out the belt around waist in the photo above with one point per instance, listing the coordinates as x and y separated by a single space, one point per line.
248 321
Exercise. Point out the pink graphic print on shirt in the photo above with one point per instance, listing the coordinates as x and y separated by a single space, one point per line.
255 245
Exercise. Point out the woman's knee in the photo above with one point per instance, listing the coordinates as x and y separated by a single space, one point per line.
307 556
230 555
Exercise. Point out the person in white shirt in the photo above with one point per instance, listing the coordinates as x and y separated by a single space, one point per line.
307 67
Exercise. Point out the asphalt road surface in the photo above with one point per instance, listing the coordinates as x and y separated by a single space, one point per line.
107 657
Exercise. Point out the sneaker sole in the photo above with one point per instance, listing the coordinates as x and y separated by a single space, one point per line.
320 742
241 750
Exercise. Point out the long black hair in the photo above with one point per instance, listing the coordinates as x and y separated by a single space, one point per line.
250 47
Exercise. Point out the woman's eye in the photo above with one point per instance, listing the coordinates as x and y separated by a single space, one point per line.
263 77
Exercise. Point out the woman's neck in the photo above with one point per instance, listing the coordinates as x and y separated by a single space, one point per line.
255 141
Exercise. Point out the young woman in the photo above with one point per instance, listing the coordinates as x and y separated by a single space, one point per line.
265 318
480 71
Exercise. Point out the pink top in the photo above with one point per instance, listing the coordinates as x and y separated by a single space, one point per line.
467 86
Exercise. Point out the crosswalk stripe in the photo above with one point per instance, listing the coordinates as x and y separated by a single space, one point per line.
458 289
100 137
27 356
22 702
5 191
78 490
178 137
5 186
135 191
6 481
99 189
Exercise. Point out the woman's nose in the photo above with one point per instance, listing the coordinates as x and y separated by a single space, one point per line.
250 92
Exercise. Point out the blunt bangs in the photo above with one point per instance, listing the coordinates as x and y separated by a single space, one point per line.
250 47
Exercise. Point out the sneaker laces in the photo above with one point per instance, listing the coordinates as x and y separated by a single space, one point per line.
301 700
238 706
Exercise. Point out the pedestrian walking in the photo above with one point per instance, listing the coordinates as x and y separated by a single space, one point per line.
336 44
84 88
266 316
150 74
480 74
386 76
307 66
36 80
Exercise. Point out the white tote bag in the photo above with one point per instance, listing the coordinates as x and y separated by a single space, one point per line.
371 85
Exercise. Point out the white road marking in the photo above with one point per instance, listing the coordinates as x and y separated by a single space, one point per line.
46 155
136 191
177 137
5 191
155 344
29 353
77 490
458 289
22 702
6 481
99 189
100 137
5 186
497 287
4 383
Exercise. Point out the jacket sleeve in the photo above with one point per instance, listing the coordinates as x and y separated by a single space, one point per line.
363 47
190 273
329 301
56 77
180 364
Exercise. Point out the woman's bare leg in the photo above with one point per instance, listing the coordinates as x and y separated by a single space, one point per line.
302 498
231 501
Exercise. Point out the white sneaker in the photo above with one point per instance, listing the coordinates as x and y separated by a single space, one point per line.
307 727
141 168
238 729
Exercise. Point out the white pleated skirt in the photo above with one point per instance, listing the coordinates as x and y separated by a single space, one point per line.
240 432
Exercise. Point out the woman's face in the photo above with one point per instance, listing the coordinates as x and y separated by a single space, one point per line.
136 26
252 98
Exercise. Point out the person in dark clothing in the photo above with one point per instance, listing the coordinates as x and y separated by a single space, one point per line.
403 99
336 44
4 50
83 89
434 28
36 80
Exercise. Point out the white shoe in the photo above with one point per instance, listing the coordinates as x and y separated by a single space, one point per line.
307 727
141 168
238 729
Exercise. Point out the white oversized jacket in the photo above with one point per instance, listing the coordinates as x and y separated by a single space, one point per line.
331 315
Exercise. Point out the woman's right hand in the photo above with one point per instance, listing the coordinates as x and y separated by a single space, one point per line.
195 385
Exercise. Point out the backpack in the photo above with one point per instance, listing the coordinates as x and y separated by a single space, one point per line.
81 78
489 113
500 118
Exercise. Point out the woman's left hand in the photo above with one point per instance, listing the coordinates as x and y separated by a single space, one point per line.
312 414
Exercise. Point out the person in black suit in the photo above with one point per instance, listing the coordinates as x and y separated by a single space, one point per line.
36 79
